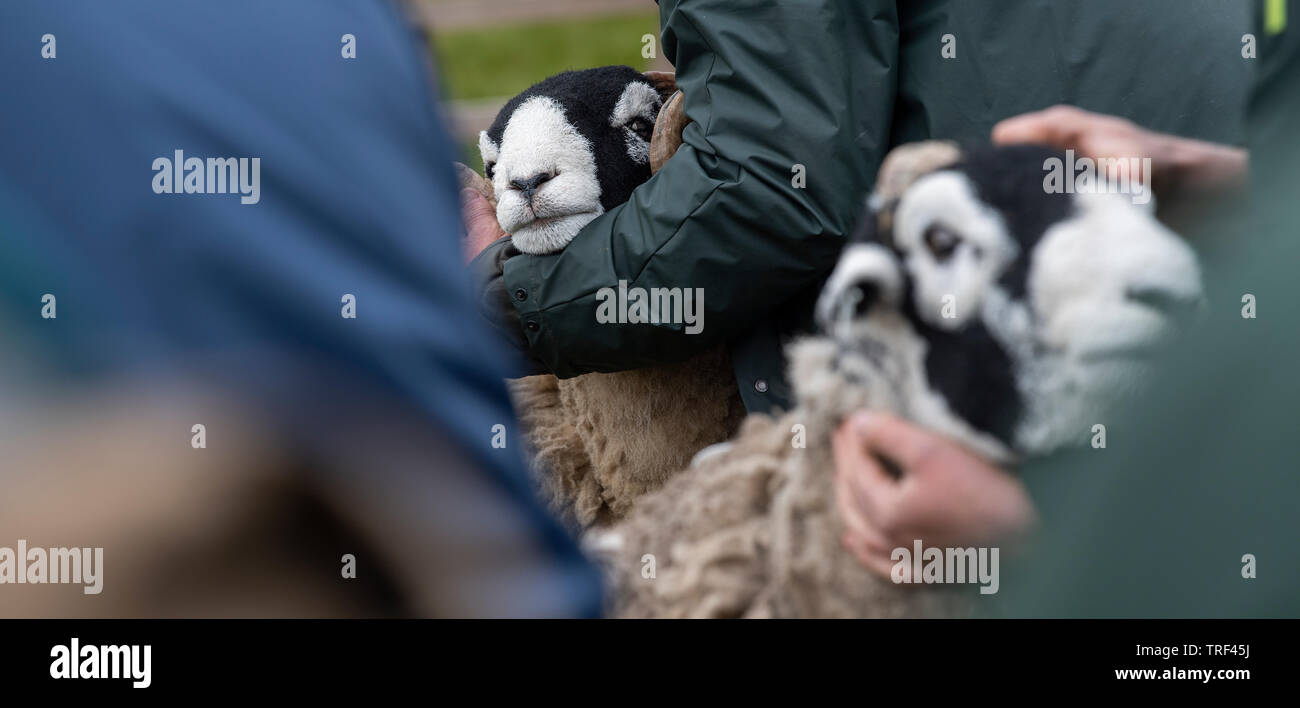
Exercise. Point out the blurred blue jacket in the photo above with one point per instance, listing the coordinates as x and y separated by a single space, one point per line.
357 197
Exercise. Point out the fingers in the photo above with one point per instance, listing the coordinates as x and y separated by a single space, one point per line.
1058 126
1036 127
860 537
863 482
873 559
887 436
862 489
855 443
481 227
473 207
855 509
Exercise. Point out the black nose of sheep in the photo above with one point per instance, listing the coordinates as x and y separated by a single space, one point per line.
530 186
600 441
851 302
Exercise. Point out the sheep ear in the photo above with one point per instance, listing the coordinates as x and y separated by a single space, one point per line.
487 149
866 276
665 83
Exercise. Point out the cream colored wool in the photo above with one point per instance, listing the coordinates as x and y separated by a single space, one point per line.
557 456
600 441
753 532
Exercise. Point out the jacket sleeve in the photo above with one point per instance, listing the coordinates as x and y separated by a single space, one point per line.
775 91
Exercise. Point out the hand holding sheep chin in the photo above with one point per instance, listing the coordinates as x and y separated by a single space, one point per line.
945 496
481 227
481 233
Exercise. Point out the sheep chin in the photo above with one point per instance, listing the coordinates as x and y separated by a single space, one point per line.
833 379
825 390
550 235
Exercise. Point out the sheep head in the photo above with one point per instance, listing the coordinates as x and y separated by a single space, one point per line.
569 148
983 306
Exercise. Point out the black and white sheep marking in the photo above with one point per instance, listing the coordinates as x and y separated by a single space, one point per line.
566 150
559 155
1026 312
1058 300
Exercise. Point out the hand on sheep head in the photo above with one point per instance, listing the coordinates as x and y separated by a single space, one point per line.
943 495
1181 168
1002 314
1002 317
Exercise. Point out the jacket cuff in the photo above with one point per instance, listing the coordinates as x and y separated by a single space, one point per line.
524 283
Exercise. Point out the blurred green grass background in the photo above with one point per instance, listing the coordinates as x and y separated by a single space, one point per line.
502 61
484 63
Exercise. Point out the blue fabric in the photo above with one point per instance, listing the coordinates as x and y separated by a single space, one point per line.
357 196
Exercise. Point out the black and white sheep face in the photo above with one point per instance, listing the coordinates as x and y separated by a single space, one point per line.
1008 316
567 149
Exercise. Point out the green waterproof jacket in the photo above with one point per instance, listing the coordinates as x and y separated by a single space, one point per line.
1190 509
795 102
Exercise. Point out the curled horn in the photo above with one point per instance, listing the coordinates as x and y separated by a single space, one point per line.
469 179
667 136
903 166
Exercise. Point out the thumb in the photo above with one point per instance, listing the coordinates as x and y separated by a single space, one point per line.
895 440
481 227
473 208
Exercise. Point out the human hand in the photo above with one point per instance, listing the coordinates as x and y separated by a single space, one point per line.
480 219
1180 167
945 497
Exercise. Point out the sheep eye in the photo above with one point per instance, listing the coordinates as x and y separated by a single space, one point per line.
941 242
641 127
489 169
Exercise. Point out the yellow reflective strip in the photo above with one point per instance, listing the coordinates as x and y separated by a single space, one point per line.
1274 16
